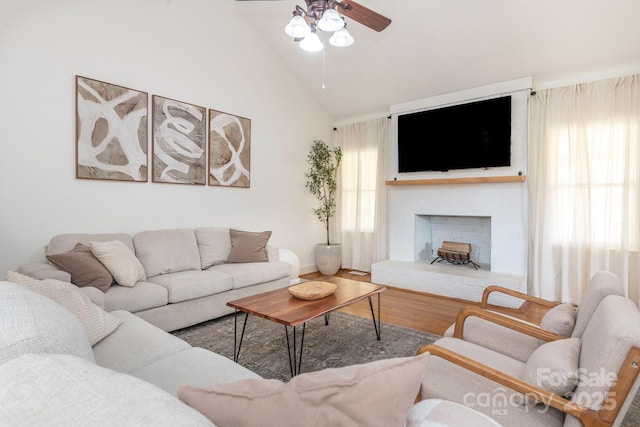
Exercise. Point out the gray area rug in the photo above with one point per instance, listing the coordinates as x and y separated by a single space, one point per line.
347 340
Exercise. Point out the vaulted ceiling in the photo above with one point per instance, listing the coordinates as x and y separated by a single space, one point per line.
440 46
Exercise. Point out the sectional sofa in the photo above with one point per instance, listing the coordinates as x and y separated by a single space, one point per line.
178 277
66 362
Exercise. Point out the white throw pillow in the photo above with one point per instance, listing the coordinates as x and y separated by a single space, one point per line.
63 390
97 323
123 265
32 323
554 366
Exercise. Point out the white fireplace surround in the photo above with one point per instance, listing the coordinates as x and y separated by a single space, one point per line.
504 205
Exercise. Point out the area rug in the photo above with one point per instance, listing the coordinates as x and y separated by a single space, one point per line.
347 340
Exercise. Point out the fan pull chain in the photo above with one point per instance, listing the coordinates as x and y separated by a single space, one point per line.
324 86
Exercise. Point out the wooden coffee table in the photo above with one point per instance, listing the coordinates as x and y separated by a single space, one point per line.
279 306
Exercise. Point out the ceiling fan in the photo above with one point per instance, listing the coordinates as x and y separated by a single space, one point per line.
324 15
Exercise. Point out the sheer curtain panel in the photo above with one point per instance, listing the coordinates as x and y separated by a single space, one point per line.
584 182
362 211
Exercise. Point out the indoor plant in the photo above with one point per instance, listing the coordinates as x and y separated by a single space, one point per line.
322 181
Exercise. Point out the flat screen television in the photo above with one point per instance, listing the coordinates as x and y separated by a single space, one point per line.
464 136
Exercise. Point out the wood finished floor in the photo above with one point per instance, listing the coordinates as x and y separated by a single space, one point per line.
421 311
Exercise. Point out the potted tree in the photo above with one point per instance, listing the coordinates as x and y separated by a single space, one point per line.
322 181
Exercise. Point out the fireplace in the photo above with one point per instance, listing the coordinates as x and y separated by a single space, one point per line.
433 230
493 218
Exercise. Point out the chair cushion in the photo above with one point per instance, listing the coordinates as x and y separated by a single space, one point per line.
374 394
497 338
32 323
601 285
247 246
120 261
194 366
64 390
135 344
167 251
192 284
143 296
84 268
96 322
253 273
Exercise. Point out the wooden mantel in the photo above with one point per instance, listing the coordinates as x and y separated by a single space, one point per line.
475 180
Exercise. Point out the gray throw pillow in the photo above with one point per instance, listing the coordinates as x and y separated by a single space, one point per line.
560 319
84 268
247 246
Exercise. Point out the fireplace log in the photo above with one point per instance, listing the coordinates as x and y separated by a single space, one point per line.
455 253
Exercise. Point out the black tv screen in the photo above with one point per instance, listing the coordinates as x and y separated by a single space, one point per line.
465 136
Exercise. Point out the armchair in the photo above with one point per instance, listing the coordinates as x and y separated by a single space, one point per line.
606 373
514 337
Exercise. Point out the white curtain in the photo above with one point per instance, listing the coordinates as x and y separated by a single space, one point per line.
362 211
584 180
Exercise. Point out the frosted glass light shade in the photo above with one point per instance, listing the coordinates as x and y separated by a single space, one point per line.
330 21
311 43
297 27
341 38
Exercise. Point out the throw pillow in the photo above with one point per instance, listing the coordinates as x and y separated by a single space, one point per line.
123 265
554 366
377 393
97 323
84 268
560 319
32 323
63 390
247 246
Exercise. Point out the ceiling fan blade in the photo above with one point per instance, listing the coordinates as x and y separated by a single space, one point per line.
363 15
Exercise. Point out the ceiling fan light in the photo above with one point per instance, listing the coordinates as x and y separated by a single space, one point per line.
330 21
311 43
341 38
297 27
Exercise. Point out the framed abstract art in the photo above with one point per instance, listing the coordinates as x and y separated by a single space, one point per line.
179 135
111 131
229 150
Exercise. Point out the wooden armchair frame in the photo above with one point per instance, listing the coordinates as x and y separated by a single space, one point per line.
589 418
495 288
502 320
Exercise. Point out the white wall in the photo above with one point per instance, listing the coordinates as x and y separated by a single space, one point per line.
197 51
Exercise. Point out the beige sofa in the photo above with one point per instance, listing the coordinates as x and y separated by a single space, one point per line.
66 362
50 374
187 277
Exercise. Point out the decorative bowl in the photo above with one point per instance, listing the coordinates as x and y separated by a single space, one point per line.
313 290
